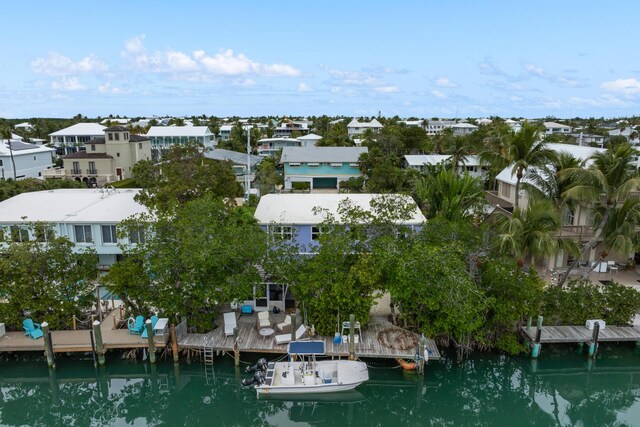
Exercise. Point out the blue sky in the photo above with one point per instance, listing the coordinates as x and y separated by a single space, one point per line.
424 59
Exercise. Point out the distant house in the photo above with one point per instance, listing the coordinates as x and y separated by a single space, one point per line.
107 159
164 137
25 126
309 140
74 138
239 161
589 139
287 127
553 127
471 164
272 146
114 121
321 167
463 128
436 127
87 217
30 159
355 128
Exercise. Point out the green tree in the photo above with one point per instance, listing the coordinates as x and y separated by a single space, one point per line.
45 278
267 176
6 133
203 253
184 175
604 185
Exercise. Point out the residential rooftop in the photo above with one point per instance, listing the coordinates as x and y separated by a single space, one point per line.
81 129
322 154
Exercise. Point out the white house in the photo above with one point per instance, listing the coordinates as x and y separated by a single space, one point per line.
471 164
309 140
355 127
25 126
436 127
163 137
553 127
287 127
74 138
87 217
463 128
30 159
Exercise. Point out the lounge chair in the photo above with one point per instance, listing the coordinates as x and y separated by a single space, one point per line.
229 323
154 320
136 326
286 338
32 329
284 327
263 320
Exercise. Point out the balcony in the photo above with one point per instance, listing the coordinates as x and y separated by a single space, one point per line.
92 171
53 173
75 171
495 200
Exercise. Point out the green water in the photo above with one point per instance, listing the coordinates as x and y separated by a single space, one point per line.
561 388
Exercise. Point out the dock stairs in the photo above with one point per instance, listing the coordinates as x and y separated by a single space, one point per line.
208 355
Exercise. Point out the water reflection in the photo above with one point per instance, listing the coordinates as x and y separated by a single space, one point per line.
562 388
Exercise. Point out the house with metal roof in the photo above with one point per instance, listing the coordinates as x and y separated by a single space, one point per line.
320 167
106 159
87 217
30 159
470 164
239 161
553 127
355 127
74 138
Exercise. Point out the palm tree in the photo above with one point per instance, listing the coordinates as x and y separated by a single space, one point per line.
444 193
522 149
459 151
532 232
6 134
605 185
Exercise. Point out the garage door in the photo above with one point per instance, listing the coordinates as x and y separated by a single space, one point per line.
325 183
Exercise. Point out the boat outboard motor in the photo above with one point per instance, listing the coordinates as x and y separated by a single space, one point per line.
261 365
257 379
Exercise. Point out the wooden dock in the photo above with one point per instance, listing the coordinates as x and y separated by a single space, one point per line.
371 346
79 340
580 334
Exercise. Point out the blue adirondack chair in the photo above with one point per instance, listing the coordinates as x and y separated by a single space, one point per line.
136 326
32 329
154 320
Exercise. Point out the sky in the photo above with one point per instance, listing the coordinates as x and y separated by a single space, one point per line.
424 59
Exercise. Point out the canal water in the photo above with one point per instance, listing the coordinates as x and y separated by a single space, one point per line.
561 388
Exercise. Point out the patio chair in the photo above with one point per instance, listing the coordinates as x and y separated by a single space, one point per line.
154 320
263 320
613 266
286 338
230 322
136 325
32 329
284 327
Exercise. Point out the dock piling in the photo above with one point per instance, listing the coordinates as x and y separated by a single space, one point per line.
593 345
97 333
421 355
48 347
236 349
535 351
529 323
174 344
352 341
294 326
150 340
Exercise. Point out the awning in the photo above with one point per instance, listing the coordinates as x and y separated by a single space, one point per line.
306 348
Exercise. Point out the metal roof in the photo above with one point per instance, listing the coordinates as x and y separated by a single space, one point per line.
234 156
83 129
322 154
179 131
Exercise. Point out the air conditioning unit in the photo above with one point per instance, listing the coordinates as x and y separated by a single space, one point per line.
591 323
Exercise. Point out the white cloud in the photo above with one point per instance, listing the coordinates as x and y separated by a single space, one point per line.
245 82
438 94
532 69
303 87
68 83
59 65
630 86
445 82
109 88
387 89
224 63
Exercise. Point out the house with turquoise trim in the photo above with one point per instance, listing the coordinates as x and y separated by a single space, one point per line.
321 167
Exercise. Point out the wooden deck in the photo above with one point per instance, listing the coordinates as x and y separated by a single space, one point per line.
577 334
252 342
78 341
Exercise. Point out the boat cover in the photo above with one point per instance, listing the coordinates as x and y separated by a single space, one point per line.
306 348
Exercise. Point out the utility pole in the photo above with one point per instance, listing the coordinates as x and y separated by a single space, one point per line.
248 175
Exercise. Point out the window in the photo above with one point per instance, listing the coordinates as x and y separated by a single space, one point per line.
314 165
35 159
44 233
139 145
93 147
117 154
83 233
282 232
110 137
1 163
117 136
19 233
316 232
136 236
506 190
569 217
126 135
353 165
109 234
294 164
336 165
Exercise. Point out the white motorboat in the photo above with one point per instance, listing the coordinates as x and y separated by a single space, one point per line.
303 374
